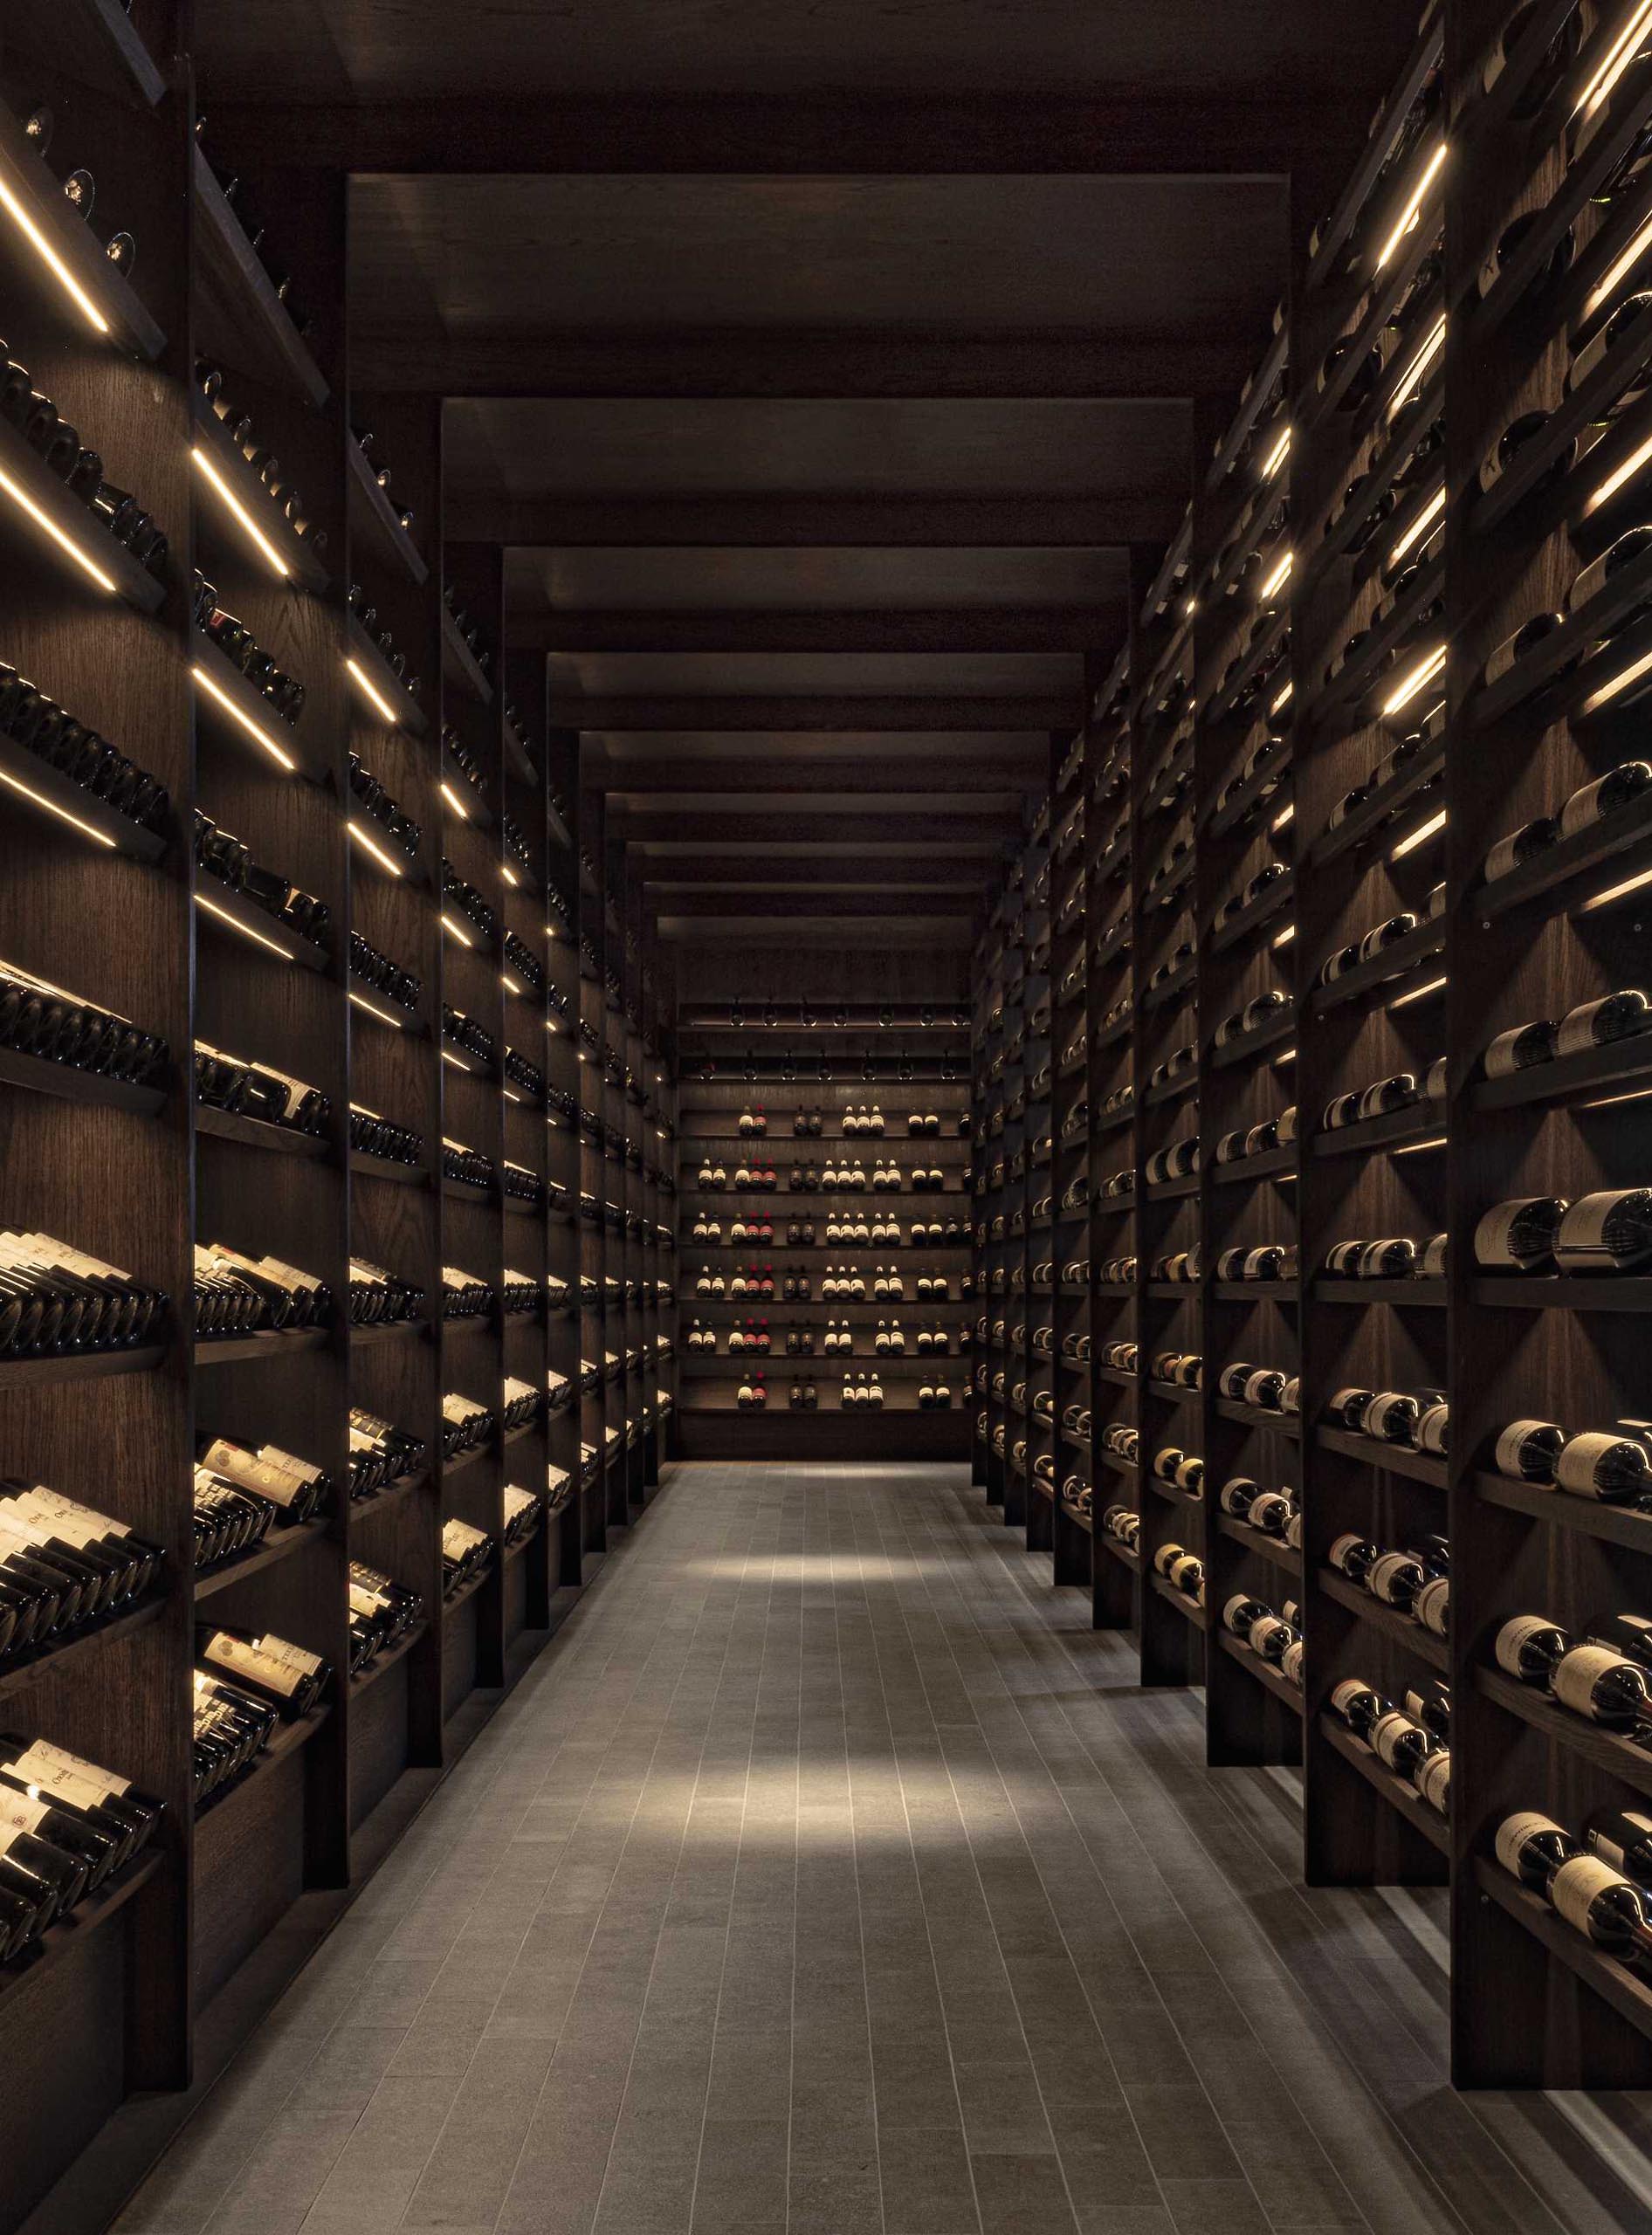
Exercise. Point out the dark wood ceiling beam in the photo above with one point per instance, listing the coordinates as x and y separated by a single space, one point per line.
790 365
1056 710
786 906
895 521
990 835
626 780
1123 133
1075 628
757 872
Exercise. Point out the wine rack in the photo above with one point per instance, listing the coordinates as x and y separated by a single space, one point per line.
408 761
712 1422
1366 700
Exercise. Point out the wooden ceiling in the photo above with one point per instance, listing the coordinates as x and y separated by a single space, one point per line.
818 367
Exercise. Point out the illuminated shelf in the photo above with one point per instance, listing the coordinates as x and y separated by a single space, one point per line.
1404 1631
44 517
380 687
93 298
228 481
459 664
281 1544
259 1132
237 711
373 508
41 1075
27 779
222 909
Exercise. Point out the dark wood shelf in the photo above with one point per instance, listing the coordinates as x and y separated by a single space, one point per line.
381 1663
1254 1043
1399 1796
1394 963
1271 902
1268 1164
1331 1288
1280 1292
1409 1634
1564 1292
1606 1750
1626 1991
41 1075
391 698
246 323
27 485
86 1366
272 1343
1376 812
281 1544
459 665
373 509
226 471
1565 864
1613 1524
1273 1549
1255 1416
39 194
368 1166
70 1936
1389 1458
1568 1077
389 1331
1418 1121
1189 1609
1263 1671
57 1656
237 711
258 1132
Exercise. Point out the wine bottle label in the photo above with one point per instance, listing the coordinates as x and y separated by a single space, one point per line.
1514 1635
1581 1457
1582 808
255 1662
1576 1031
1267 1632
1388 1732
240 1467
1584 1223
68 1514
1231 1612
1502 1056
1387 1574
1493 1233
1504 855
1344 1695
1577 1884
1342 1546
1432 1606
1514 1832
1433 1780
1577 1672
44 1765
1507 1450
19 1813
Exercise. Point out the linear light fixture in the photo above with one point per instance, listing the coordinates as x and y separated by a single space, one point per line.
375 697
1278 580
508 982
1414 534
1612 893
371 846
1277 456
1621 266
59 270
221 696
1406 391
1619 683
1431 665
39 799
1418 993
239 513
454 930
1619 56
509 875
1288 1056
1284 938
1413 207
457 1062
1282 821
509 1096
1620 474
1611 1101
65 543
245 930
373 1010
1420 837
455 801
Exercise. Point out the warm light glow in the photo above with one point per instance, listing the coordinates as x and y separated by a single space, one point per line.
1283 700
65 543
1620 268
1418 993
508 982
374 698
1432 665
1282 821
371 846
1414 534
1619 56
1420 837
384 1016
1611 892
1414 207
217 691
1278 580
456 930
59 270
1288 1056
1611 1101
245 930
509 1096
551 1025
455 802
1284 938
1615 480
63 815
1406 391
244 518
509 874
457 1062
1619 682
1277 456
1416 1148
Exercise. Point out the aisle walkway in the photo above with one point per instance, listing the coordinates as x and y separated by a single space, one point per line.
828 1876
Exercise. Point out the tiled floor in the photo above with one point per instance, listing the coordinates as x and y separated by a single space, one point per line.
827 1875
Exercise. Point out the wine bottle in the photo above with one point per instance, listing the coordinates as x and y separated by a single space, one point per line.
1623 1838
1607 1232
1600 1023
1359 1705
1607 795
1533 1847
1529 1647
1521 1235
1429 1704
1600 1684
1614 1468
114 1802
1517 1050
1527 1451
1608 1908
1521 846
1400 1743
272 1669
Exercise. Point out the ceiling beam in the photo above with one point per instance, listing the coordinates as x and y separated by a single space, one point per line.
991 835
970 628
755 872
893 521
832 780
785 906
758 364
573 710
1125 132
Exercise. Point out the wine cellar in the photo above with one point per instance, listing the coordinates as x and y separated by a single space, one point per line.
1306 1090
825 1083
